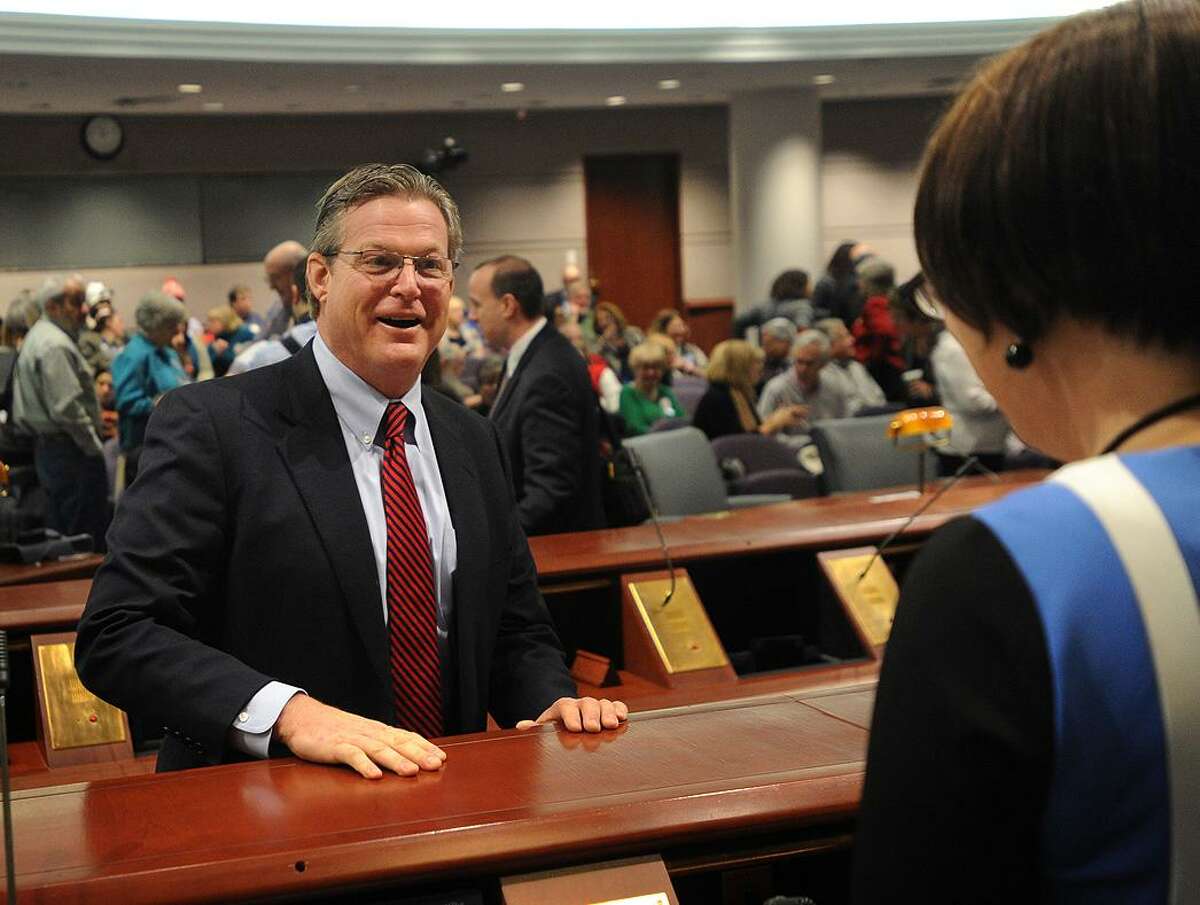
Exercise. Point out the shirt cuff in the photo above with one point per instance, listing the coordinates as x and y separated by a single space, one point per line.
252 727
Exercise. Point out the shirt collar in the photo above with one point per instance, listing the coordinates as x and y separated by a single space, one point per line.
359 405
519 347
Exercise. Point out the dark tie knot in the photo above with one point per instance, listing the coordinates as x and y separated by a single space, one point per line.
394 421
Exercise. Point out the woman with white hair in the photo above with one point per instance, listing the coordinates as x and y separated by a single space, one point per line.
145 369
646 399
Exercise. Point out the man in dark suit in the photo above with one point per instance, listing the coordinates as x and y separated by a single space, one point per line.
546 411
286 573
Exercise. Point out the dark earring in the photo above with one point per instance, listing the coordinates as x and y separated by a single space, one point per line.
1018 355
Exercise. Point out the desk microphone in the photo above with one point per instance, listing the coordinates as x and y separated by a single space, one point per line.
649 501
966 466
8 837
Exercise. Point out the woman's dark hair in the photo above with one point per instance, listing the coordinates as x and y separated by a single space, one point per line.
841 265
791 284
1063 181
903 301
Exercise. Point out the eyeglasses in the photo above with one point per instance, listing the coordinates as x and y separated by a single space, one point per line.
387 265
928 303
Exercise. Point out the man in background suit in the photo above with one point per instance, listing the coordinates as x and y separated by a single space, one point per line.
286 571
546 410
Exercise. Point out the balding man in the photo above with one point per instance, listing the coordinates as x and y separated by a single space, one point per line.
54 400
279 265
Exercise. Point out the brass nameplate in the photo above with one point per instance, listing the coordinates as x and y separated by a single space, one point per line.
681 631
76 717
658 898
873 599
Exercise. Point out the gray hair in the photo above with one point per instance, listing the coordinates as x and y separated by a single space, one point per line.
23 312
779 328
876 275
832 327
813 338
380 180
157 310
54 288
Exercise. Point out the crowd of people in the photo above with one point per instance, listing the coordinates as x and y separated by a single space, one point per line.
82 386
1034 733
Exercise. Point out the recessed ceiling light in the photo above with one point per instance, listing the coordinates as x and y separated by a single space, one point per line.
214 105
825 79
616 100
512 87
668 84
189 88
352 89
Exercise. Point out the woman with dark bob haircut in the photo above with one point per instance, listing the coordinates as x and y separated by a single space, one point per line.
1036 735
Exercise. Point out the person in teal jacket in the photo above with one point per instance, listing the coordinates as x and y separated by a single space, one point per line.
646 399
145 369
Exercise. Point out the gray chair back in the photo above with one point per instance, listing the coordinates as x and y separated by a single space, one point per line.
688 389
755 452
669 424
857 455
681 471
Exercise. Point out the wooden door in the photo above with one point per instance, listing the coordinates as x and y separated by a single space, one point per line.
632 209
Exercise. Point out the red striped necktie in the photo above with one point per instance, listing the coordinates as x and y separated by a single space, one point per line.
411 602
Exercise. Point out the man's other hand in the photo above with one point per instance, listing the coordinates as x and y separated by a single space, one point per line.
325 735
581 715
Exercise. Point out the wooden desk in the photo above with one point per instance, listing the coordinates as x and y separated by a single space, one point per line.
845 520
50 606
83 566
818 524
668 782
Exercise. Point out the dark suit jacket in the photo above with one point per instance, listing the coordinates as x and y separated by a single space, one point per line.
241 554
547 416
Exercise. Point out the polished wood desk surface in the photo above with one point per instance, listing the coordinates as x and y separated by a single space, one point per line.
844 520
505 802
83 566
40 607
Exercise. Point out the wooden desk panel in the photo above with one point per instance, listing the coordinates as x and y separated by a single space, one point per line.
507 801
40 607
845 520
84 566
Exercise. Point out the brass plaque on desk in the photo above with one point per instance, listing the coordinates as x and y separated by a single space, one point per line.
75 717
870 599
684 637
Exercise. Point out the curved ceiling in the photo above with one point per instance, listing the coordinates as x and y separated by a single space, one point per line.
89 64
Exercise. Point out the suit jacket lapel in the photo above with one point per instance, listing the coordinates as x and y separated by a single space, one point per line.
510 385
314 453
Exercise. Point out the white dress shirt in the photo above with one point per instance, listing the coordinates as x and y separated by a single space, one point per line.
518 348
360 408
979 426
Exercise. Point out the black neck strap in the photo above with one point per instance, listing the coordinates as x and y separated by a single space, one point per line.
1174 408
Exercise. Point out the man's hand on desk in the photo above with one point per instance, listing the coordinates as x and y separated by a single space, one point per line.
582 715
325 735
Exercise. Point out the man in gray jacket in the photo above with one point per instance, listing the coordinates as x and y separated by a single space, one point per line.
54 400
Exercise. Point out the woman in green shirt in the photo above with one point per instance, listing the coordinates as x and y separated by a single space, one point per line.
645 400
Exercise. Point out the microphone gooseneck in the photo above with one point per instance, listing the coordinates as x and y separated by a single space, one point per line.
662 541
887 541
